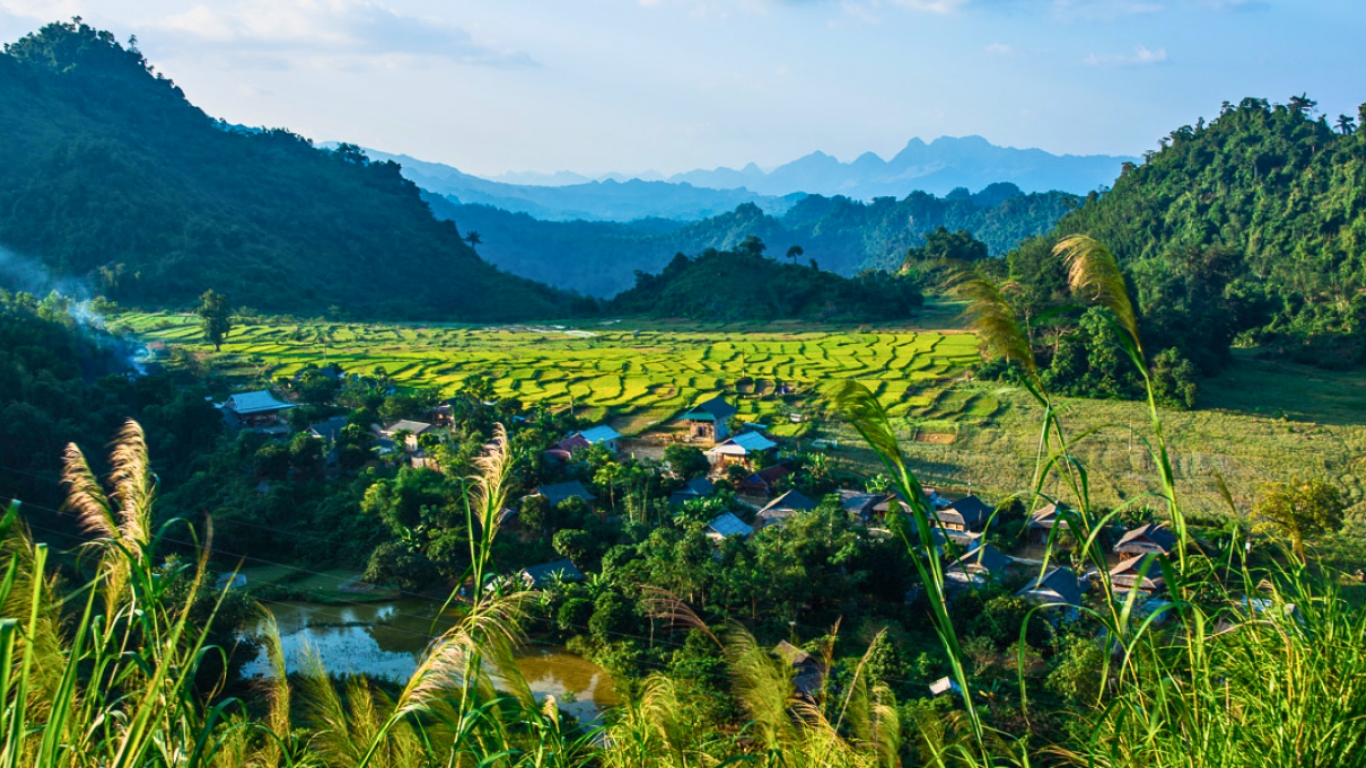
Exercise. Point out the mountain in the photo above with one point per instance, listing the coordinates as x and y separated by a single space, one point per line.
743 284
938 167
1248 230
842 235
603 200
111 175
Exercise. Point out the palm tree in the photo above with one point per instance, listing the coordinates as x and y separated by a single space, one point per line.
1346 124
473 239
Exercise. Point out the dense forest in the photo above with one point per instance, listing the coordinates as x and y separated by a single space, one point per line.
111 174
1247 230
843 235
744 284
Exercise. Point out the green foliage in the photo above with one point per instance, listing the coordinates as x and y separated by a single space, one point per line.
215 315
943 245
744 285
686 461
846 236
1300 509
1247 228
112 171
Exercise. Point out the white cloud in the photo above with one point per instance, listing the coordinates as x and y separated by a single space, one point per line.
348 32
1001 49
1142 55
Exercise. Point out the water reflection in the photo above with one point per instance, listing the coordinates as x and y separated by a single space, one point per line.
385 640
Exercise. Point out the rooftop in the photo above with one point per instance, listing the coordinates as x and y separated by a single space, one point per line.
715 409
599 434
727 524
558 493
255 402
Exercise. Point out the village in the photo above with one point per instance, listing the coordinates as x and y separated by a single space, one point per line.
737 480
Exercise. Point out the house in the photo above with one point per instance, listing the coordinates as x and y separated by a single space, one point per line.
542 576
696 488
943 685
710 420
1059 585
601 435
254 409
329 430
780 509
765 483
967 514
1152 538
564 450
727 525
741 449
1042 522
884 505
858 504
413 430
808 673
557 493
1143 573
976 568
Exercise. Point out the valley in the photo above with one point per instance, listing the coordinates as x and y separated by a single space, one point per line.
639 375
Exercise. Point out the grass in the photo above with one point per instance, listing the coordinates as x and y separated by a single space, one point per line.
634 377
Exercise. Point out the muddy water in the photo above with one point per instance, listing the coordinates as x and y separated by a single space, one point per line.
386 639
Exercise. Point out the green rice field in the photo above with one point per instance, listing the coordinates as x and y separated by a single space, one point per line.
1261 420
634 378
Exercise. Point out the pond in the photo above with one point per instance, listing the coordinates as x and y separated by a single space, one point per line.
385 640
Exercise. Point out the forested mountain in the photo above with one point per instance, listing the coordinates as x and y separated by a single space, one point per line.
600 200
1249 229
744 284
937 168
842 235
110 173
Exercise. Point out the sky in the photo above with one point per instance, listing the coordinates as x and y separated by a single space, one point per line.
596 86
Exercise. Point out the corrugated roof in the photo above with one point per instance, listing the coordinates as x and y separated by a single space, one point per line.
727 524
557 493
747 442
405 425
1138 539
715 409
600 434
255 402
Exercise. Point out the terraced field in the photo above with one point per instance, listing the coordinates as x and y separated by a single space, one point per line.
635 378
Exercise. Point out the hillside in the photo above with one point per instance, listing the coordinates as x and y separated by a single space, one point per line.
744 284
842 235
1251 228
111 174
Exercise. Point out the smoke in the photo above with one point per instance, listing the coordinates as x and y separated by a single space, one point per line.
19 273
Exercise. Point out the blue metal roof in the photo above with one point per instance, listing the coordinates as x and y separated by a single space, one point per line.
600 434
729 525
753 441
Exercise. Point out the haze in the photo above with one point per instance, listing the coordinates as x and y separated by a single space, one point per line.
672 85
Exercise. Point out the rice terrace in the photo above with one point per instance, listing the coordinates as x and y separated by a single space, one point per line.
637 376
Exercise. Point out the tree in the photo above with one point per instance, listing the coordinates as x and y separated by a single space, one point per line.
215 317
473 239
794 252
752 246
1346 124
1300 509
574 544
943 245
686 461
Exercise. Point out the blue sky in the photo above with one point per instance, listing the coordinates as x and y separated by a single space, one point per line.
670 85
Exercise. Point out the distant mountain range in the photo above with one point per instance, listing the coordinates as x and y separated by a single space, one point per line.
844 236
608 200
937 168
